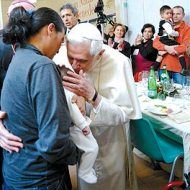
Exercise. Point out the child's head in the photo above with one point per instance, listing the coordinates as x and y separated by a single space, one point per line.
166 12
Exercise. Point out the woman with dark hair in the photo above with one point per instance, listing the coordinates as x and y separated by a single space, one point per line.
118 41
143 53
34 100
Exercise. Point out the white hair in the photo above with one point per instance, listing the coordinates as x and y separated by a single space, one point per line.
86 32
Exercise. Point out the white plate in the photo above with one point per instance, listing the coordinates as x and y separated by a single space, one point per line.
160 109
177 86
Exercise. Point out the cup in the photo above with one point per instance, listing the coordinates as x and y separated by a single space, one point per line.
144 78
178 100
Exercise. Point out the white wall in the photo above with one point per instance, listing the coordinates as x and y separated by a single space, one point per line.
1 19
140 12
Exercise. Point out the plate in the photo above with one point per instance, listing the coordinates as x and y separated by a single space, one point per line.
164 110
177 86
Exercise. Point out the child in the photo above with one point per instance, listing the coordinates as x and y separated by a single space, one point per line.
167 33
82 137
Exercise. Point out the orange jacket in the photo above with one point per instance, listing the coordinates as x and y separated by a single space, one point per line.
172 61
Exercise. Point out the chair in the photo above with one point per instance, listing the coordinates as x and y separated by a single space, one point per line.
155 145
175 184
181 184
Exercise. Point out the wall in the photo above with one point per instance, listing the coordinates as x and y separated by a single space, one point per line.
85 7
54 4
1 18
147 11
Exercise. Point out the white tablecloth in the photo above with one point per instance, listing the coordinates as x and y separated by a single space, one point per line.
168 122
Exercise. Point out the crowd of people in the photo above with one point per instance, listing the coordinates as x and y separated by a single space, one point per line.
169 47
72 102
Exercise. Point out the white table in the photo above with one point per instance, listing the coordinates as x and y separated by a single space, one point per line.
167 124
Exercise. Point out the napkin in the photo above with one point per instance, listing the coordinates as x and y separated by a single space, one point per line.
181 117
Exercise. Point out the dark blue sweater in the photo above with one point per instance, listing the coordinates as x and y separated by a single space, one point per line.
34 100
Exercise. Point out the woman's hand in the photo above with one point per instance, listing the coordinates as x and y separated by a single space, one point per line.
121 41
110 42
8 141
81 103
138 40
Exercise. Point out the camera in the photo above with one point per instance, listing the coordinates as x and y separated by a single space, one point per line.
101 17
99 7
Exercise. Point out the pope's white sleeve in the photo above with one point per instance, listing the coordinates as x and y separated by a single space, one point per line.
109 114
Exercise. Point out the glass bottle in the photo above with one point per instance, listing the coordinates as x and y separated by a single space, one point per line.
152 85
165 80
164 77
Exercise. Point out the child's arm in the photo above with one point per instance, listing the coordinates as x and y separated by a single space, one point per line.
78 119
169 29
81 103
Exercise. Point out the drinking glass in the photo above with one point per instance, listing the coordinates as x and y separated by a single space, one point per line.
168 87
157 76
178 100
144 77
187 86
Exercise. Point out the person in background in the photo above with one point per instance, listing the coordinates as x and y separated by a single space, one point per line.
143 53
6 54
27 4
110 34
70 16
7 50
42 121
167 33
118 41
170 59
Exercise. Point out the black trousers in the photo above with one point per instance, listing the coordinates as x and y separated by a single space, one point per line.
167 41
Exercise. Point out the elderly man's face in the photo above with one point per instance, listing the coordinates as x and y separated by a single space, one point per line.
178 15
69 19
79 56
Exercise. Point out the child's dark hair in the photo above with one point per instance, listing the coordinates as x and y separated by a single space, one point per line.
164 8
22 24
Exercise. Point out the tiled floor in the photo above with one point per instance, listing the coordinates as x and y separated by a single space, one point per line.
148 179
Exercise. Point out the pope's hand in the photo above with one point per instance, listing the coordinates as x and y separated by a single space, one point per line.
78 84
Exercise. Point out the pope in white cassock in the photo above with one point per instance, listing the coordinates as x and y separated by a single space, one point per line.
105 80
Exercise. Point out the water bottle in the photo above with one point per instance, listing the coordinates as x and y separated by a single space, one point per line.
165 80
164 77
152 85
